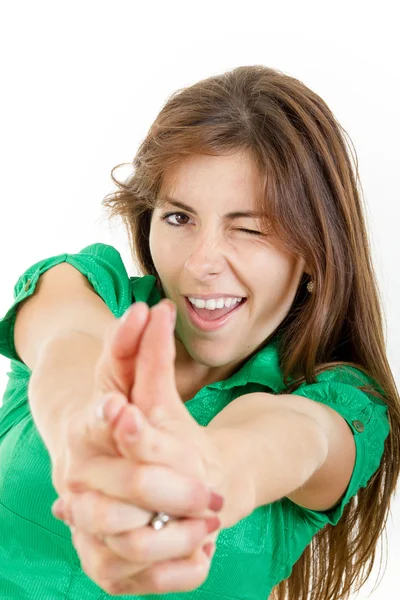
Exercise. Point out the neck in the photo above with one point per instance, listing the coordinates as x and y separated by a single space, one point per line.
191 376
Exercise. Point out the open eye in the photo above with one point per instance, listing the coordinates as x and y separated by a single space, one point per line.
167 215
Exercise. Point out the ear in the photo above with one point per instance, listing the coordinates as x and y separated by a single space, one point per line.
304 266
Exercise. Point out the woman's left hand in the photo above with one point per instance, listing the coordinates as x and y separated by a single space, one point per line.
160 471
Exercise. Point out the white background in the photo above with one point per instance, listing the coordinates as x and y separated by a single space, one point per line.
83 81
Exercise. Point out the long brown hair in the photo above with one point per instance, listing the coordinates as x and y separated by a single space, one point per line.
312 196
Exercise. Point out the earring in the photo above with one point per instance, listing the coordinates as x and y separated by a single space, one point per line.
310 286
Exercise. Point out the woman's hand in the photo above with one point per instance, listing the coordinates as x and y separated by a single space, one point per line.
113 378
83 440
176 439
133 558
170 437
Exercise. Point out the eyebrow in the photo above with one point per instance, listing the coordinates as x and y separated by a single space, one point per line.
229 216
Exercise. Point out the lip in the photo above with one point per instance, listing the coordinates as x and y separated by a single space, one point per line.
212 296
204 325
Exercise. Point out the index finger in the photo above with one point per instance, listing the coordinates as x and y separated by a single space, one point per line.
155 379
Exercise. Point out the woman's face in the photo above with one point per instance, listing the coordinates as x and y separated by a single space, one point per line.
206 253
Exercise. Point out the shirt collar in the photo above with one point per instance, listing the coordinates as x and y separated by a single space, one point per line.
144 289
262 368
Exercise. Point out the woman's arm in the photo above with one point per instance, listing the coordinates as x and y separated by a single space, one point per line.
62 384
59 334
284 446
63 301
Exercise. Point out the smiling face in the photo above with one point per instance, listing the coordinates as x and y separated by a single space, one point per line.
202 252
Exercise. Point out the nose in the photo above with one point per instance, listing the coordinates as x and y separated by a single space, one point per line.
206 257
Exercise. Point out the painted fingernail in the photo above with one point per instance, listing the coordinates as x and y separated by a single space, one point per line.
58 509
212 524
208 549
216 502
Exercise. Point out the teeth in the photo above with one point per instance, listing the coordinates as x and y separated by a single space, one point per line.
214 303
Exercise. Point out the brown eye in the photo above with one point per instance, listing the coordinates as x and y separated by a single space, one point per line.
175 214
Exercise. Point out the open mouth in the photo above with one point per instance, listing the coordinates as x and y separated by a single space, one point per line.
210 320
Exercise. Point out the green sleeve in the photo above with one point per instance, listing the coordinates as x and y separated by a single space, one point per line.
100 263
367 418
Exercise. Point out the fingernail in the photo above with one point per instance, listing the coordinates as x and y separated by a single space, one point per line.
125 315
58 509
107 409
212 524
208 549
101 408
100 416
216 502
133 423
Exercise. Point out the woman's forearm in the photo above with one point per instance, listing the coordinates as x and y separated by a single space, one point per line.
62 384
267 455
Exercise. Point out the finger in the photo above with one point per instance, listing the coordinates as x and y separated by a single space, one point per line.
96 514
126 527
150 445
99 562
152 487
154 385
177 575
178 539
133 322
94 426
116 364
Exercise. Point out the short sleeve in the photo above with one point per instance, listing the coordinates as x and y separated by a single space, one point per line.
100 263
367 417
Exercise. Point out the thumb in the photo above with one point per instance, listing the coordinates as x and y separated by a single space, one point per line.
115 368
93 430
86 435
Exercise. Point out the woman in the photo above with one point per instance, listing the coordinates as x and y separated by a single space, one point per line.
282 402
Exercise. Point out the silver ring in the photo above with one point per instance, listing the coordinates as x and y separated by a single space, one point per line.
160 520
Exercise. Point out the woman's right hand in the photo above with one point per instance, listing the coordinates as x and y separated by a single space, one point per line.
113 378
87 440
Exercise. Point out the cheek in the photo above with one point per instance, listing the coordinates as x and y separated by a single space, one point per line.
157 247
161 241
166 259
267 267
272 276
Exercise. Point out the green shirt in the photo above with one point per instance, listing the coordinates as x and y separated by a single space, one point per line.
37 557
